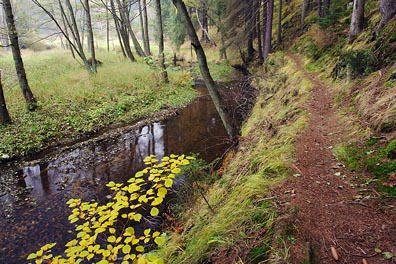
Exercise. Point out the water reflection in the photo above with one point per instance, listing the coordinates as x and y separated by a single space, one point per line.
84 171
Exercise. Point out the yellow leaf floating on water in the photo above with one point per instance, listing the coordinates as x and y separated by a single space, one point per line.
111 239
140 249
154 211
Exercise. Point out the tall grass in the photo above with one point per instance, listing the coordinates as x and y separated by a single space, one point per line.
73 103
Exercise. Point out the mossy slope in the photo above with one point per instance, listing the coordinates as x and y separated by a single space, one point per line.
242 225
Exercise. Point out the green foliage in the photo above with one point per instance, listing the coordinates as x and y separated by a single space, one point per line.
98 236
391 150
173 26
377 159
361 62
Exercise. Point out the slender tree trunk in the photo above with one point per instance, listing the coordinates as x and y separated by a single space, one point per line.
4 36
16 53
146 38
388 11
107 27
203 65
84 22
268 29
357 20
91 44
279 35
265 15
304 9
141 23
161 40
259 39
66 30
249 24
4 115
125 23
204 18
76 35
122 34
320 13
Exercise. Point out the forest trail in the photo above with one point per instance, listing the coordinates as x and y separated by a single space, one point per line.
325 197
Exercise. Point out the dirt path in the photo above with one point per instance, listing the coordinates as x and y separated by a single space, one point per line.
324 196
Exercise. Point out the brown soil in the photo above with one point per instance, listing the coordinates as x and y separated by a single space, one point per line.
324 195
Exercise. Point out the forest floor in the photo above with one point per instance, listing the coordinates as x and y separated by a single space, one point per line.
333 212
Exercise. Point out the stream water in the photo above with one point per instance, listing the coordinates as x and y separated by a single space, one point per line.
39 215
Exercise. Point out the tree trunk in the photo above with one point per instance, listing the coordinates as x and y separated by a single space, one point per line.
357 20
304 12
265 15
4 36
122 34
320 14
141 23
258 27
66 31
73 27
125 23
249 24
161 40
203 65
268 29
107 27
279 35
146 38
16 53
4 116
204 18
388 11
91 44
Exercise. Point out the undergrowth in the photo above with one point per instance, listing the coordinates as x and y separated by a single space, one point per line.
376 157
240 220
73 104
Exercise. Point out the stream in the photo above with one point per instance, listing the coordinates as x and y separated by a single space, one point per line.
38 213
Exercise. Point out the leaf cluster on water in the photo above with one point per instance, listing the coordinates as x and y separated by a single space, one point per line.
99 237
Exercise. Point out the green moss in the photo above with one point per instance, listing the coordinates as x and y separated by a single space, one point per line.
391 150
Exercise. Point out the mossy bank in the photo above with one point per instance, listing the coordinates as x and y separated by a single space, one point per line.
241 221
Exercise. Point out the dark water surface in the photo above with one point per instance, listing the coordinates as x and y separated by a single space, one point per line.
40 216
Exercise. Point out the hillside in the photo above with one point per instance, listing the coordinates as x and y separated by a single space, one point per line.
313 178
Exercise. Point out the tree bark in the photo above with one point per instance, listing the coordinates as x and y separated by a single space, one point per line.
91 43
357 20
161 41
279 35
16 53
268 29
388 11
203 65
66 31
141 23
4 115
146 38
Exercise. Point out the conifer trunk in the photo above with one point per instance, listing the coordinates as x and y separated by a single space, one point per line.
161 40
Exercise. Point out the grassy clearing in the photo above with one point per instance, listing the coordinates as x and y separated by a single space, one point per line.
243 222
72 103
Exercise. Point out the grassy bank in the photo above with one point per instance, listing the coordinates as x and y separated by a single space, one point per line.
241 226
73 104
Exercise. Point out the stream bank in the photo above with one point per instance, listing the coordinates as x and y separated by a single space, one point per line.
35 212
